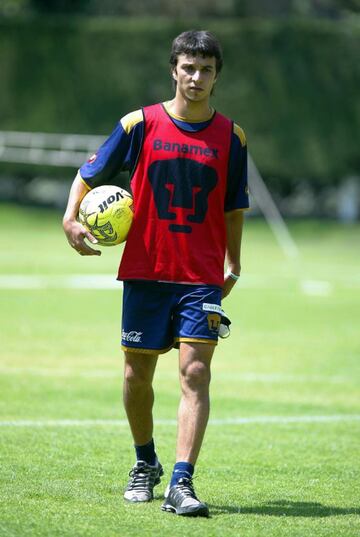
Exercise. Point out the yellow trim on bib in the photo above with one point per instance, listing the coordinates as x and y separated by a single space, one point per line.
180 118
129 121
240 134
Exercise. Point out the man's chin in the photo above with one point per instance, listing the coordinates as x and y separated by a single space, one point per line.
195 96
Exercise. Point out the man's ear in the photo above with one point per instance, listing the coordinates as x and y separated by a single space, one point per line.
174 73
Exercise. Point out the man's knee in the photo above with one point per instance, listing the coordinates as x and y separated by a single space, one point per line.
195 375
138 373
135 378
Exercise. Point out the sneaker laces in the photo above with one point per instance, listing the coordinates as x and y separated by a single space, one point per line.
185 485
140 475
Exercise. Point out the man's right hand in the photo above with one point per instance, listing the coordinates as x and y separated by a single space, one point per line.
76 234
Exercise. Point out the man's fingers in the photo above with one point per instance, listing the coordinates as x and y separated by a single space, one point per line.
83 249
86 250
90 237
76 234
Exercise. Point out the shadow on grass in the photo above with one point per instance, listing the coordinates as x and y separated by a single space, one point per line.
285 508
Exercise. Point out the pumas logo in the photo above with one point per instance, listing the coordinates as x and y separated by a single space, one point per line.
214 316
214 320
133 336
181 187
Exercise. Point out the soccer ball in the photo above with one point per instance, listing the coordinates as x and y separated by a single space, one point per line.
107 212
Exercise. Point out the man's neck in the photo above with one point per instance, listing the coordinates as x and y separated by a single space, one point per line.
190 110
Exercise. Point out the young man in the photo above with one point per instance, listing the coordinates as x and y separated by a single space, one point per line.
188 167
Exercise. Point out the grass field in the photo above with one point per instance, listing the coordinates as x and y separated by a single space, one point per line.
281 453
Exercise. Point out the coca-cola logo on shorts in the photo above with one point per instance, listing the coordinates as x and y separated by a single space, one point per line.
133 336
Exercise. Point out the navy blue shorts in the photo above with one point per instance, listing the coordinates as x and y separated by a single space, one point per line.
158 316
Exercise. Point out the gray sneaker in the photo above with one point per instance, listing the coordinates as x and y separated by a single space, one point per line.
143 479
181 500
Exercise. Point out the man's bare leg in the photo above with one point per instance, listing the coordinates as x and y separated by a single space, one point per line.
138 401
138 394
193 413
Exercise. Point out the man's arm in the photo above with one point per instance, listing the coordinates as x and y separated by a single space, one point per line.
75 232
234 221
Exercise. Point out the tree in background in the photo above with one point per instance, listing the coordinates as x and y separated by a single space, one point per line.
59 6
185 8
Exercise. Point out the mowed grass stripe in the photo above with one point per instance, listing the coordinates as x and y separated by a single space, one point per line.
109 282
212 422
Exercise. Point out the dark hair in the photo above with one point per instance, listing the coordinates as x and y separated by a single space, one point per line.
195 42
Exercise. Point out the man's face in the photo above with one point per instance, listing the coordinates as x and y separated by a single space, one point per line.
195 76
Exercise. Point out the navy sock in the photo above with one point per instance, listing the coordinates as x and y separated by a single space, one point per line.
146 453
181 469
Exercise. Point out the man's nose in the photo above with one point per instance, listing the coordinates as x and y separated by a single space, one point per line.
196 75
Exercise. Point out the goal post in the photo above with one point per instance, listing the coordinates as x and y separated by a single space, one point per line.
270 211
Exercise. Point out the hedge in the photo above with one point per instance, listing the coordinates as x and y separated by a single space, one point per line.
293 85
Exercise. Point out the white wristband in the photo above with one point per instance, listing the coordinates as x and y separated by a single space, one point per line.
232 275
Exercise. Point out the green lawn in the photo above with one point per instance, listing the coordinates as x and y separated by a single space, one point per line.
281 454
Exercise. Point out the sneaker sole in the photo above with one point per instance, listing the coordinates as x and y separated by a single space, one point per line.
201 510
